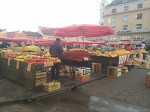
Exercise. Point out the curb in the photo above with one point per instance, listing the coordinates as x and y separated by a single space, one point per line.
42 96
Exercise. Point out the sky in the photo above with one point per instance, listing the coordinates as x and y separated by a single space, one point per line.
29 14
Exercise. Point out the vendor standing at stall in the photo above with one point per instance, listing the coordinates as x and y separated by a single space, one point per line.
4 44
129 47
56 51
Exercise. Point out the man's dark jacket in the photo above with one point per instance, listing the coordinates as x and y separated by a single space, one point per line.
56 50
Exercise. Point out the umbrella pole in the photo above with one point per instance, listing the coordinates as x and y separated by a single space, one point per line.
83 42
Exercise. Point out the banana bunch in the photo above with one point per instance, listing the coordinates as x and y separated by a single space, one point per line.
47 54
21 58
30 48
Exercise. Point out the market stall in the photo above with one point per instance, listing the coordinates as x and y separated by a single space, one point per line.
28 67
85 30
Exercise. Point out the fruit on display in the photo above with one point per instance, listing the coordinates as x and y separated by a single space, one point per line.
11 54
21 58
47 54
27 57
76 55
40 60
51 86
138 51
121 52
142 51
30 49
110 53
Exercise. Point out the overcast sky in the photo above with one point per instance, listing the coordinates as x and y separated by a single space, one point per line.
29 14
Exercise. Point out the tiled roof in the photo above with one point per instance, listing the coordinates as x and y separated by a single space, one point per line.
118 2
47 31
29 33
11 34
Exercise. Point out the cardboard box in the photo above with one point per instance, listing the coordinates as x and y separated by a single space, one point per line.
83 70
113 71
148 80
82 78
96 68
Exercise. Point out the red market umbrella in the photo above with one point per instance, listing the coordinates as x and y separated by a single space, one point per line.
86 30
99 43
124 43
21 39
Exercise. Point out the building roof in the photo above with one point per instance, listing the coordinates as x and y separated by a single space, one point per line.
11 34
47 31
29 33
1 30
118 2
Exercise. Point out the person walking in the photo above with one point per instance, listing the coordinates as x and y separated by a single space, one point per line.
56 51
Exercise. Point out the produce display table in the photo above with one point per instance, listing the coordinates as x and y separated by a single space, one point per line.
110 61
19 75
21 72
76 63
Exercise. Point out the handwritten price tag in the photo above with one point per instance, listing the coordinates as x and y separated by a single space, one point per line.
29 67
86 59
47 64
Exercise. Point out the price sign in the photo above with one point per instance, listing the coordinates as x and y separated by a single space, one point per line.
29 67
86 59
17 65
47 64
8 62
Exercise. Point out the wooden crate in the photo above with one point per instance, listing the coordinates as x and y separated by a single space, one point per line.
96 68
51 86
113 71
124 69
40 78
147 64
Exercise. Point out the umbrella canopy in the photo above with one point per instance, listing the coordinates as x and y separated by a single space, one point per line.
86 30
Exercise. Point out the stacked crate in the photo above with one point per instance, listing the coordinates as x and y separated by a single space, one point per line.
96 68
113 71
138 63
40 78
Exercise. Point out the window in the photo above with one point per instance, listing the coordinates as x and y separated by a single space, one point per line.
126 8
139 6
113 10
139 16
113 20
138 26
125 18
125 27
